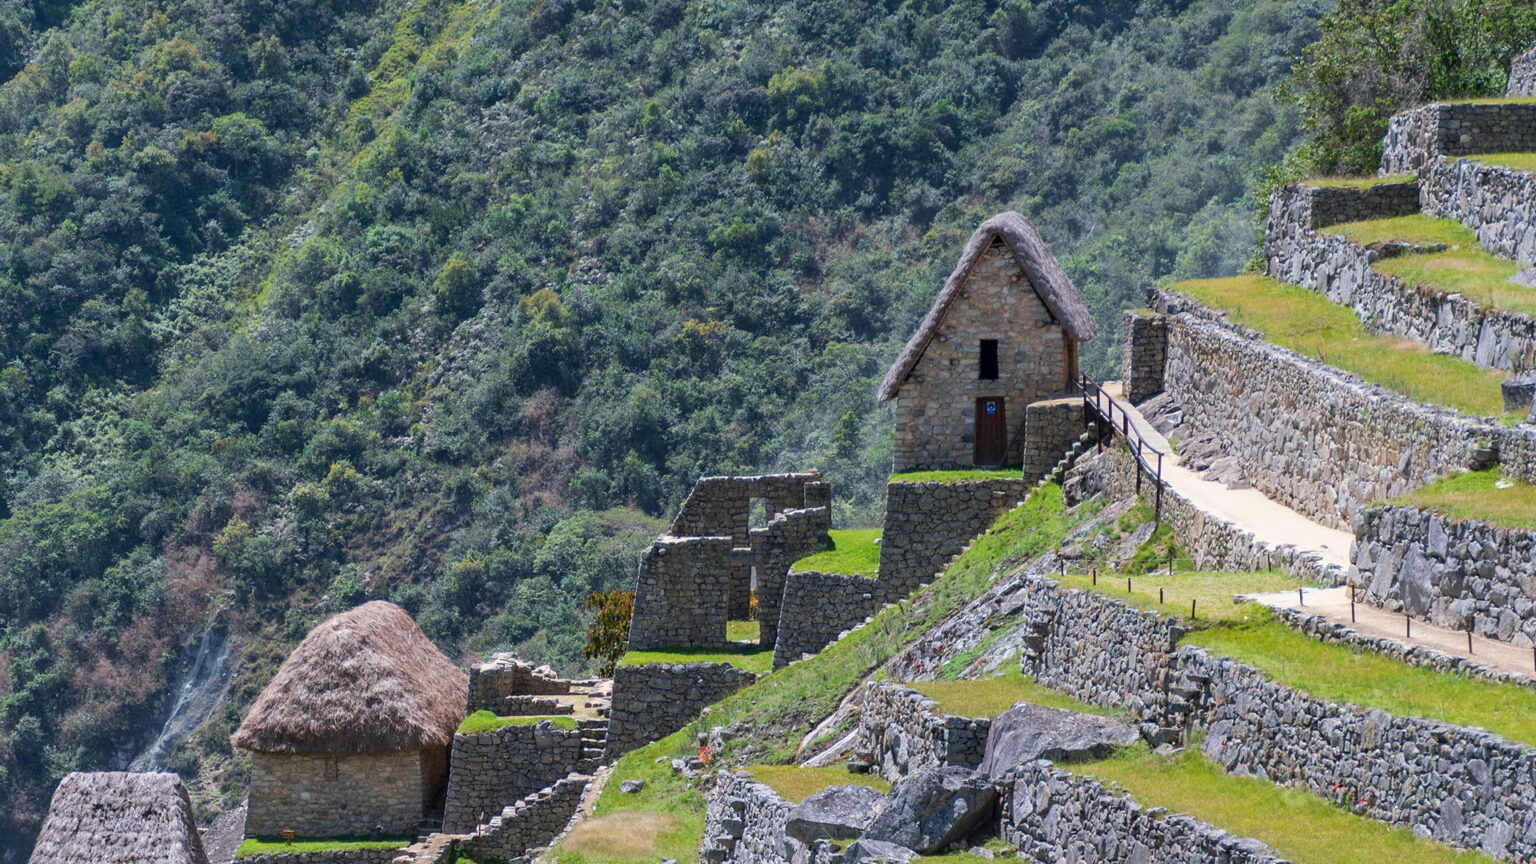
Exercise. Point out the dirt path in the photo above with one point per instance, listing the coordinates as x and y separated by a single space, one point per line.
1333 604
1269 521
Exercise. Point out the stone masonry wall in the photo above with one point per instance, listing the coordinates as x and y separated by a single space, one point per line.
722 505
1522 76
1318 440
1295 252
744 822
1051 426
906 732
1332 205
682 594
490 770
927 524
534 821
1053 815
1143 350
1461 574
326 856
936 406
491 682
1212 542
1415 137
790 536
1496 203
818 607
652 701
335 795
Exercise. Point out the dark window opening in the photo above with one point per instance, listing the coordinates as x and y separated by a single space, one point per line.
988 370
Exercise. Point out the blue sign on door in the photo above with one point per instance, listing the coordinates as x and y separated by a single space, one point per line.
991 407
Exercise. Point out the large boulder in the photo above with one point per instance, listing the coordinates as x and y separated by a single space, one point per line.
934 808
1028 732
876 852
835 813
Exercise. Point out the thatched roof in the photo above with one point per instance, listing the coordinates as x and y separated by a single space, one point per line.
366 681
1045 274
112 817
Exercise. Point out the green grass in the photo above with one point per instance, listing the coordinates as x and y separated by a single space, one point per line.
989 697
1307 323
1463 269
268 845
743 631
746 656
958 476
1212 592
1476 495
1517 161
665 819
1357 182
1371 680
1297 825
485 721
796 783
996 845
853 552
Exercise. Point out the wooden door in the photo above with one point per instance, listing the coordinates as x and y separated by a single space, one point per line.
991 431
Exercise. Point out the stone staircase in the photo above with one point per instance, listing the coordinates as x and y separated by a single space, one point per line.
594 741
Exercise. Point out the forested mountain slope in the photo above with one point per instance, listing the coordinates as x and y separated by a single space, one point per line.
306 303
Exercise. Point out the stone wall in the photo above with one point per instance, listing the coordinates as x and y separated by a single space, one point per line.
327 856
744 822
1315 439
490 770
1211 541
817 608
342 794
652 701
936 406
1522 76
532 822
1332 205
1340 270
1461 574
927 524
790 536
491 682
905 732
1498 204
1053 815
1414 138
682 594
1051 427
723 505
1143 350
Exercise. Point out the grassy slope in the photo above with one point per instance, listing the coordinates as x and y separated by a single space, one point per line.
1477 495
853 552
1213 592
1356 182
1517 161
269 845
748 657
797 783
1298 319
988 697
1464 268
1299 826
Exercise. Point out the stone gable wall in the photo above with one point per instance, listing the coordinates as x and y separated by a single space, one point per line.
1414 138
490 770
722 505
503 675
682 595
818 607
652 701
1522 76
336 795
936 406
1315 439
927 524
1143 351
1340 270
1455 573
533 822
905 732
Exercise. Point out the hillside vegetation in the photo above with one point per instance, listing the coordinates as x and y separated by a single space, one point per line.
447 303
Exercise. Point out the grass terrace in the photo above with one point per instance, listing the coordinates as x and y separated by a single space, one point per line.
959 475
797 783
1484 495
989 697
1517 161
852 552
271 845
1299 826
485 721
746 656
743 631
665 819
1357 182
1293 317
1170 595
1464 268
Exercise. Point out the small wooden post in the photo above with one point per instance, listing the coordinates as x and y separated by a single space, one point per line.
287 836
1408 623
1159 596
1192 608
1127 584
1095 575
1301 599
1469 640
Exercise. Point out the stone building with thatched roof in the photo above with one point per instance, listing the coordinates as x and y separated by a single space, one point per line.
111 817
353 732
1003 333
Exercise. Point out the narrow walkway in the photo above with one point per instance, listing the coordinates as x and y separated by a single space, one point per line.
1267 520
1333 604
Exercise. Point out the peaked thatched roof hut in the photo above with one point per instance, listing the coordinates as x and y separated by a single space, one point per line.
365 681
107 817
1002 334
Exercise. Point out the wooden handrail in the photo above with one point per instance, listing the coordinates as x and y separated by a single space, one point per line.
1103 407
